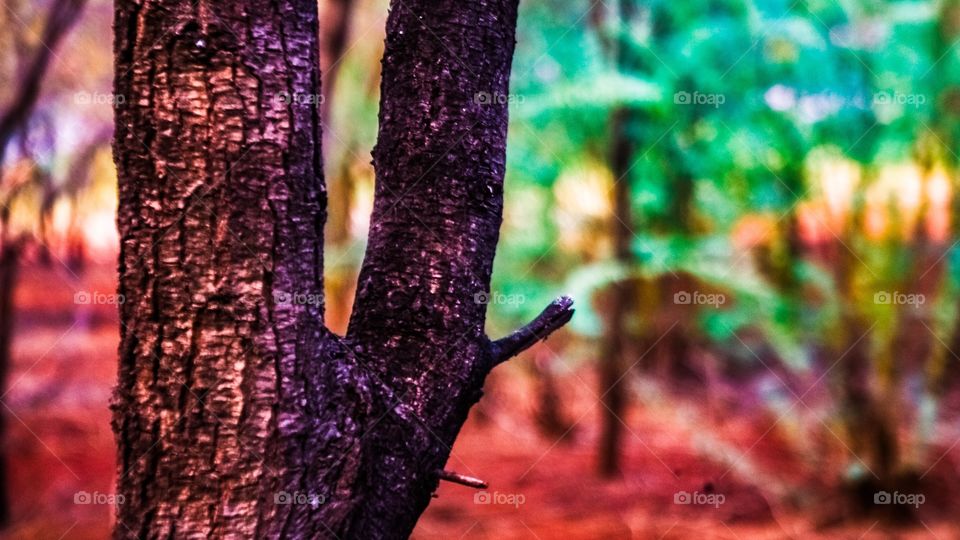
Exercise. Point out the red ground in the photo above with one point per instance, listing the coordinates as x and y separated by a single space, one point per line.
61 443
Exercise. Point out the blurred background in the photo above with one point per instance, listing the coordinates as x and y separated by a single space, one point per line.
754 204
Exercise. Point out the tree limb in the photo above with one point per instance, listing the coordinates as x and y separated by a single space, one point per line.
440 160
462 479
555 315
63 13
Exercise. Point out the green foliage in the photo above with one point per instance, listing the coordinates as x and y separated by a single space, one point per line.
733 105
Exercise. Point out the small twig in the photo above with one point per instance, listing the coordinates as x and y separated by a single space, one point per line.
557 314
462 479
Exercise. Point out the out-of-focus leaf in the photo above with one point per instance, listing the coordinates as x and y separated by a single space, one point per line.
594 93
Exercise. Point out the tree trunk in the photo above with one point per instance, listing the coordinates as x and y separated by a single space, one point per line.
613 361
60 18
613 364
549 413
10 255
337 16
238 414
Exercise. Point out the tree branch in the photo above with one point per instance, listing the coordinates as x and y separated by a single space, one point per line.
440 160
462 479
63 13
557 314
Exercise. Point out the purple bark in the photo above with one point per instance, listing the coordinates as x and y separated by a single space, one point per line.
237 412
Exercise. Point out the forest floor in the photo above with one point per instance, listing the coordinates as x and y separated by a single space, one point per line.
540 487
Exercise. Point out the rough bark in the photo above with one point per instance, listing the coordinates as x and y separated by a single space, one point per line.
439 161
238 414
221 209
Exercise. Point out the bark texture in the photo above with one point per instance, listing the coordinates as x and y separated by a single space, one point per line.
238 414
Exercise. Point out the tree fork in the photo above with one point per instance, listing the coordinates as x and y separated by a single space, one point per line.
237 413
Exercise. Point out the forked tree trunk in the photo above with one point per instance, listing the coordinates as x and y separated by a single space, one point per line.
238 414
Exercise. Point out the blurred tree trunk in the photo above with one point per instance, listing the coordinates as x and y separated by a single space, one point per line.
237 413
868 411
10 254
335 19
784 257
61 17
549 414
671 355
13 120
613 361
945 127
